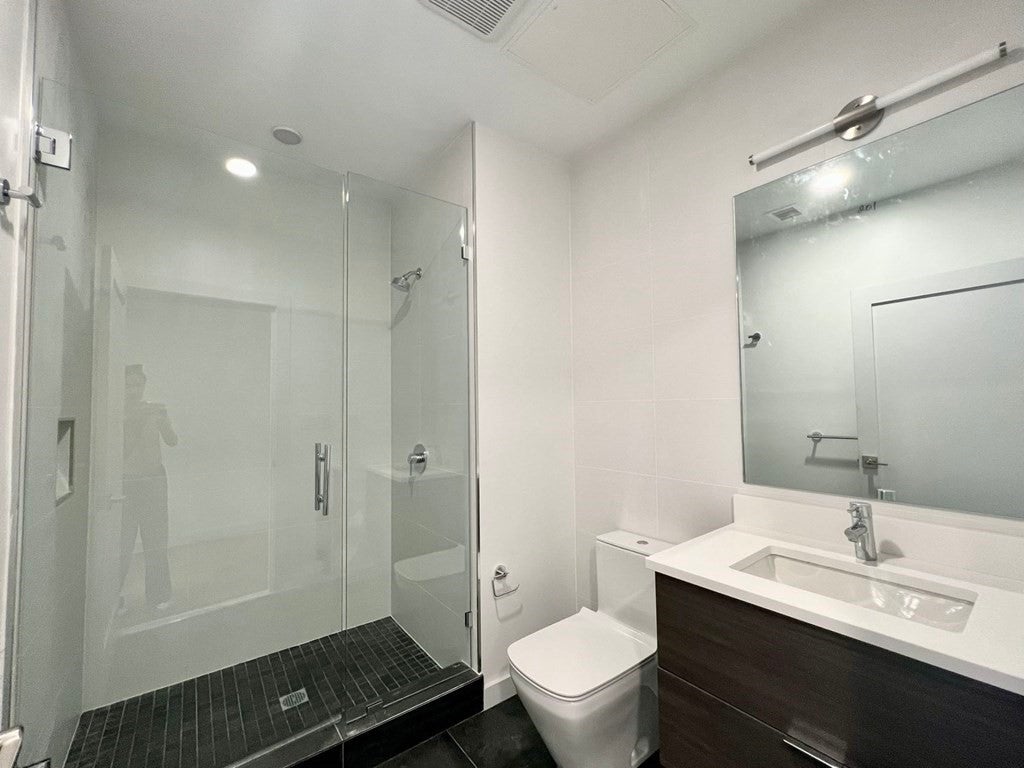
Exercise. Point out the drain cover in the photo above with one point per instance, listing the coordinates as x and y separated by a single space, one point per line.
293 699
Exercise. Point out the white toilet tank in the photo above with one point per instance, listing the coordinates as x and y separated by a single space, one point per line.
625 586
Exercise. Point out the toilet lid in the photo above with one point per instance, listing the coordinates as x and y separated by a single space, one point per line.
580 654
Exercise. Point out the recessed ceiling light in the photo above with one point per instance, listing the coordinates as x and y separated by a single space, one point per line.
240 167
833 180
287 135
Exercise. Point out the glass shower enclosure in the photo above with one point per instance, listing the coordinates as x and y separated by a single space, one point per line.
246 510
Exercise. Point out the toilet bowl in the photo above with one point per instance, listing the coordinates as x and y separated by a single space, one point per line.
589 682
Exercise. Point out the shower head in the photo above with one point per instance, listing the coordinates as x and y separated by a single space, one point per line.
404 283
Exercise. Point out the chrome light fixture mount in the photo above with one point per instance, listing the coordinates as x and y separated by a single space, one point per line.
858 118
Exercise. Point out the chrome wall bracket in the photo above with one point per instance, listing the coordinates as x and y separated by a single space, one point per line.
500 584
858 118
870 461
25 193
53 147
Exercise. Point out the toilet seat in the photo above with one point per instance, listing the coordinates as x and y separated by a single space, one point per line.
578 656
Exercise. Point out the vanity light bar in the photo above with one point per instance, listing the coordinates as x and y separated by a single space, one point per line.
860 116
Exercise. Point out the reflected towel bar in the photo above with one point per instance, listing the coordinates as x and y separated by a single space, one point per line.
817 437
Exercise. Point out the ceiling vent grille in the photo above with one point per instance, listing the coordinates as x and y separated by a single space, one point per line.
787 213
479 16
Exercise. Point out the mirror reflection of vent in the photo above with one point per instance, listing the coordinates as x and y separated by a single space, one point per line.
787 213
479 16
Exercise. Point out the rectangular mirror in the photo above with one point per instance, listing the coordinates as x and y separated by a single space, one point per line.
882 317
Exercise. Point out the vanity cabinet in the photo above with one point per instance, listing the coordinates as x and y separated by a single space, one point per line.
743 687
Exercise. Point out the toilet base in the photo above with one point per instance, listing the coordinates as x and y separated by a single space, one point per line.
614 727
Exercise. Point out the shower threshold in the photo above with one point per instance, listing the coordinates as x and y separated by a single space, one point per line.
276 710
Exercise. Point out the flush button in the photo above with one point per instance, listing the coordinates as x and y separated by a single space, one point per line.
643 543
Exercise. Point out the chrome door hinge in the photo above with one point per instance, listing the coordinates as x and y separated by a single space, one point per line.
469 619
465 253
53 147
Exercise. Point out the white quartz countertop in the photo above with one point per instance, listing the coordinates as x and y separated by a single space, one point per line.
990 648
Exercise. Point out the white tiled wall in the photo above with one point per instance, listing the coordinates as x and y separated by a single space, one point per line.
525 393
655 362
655 392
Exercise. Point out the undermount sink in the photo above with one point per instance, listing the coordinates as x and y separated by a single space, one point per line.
908 598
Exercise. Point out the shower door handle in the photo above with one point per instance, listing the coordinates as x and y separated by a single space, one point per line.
322 478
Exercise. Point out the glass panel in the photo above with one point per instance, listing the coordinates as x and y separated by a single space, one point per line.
182 561
185 357
408 462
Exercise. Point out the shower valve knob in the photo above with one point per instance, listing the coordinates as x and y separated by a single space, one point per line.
418 458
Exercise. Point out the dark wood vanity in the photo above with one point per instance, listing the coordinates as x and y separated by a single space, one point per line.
743 687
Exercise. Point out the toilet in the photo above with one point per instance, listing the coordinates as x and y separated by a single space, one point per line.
589 682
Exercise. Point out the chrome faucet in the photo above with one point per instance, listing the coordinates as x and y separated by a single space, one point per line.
862 532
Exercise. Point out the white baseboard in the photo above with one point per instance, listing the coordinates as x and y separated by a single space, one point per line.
496 691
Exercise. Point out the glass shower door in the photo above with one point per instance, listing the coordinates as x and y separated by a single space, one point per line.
185 356
408 429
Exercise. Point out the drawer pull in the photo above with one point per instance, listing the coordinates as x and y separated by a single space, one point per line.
812 753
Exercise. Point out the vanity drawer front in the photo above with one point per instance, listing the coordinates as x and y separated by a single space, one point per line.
864 706
699 731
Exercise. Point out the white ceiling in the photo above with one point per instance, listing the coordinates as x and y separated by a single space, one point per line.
375 86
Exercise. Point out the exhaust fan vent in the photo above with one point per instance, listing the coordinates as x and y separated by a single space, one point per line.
787 213
479 16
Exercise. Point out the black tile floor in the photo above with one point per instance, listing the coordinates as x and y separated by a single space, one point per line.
218 718
500 737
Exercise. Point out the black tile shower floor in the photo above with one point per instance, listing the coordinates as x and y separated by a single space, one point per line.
224 716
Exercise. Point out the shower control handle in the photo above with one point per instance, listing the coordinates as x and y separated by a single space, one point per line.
322 478
418 458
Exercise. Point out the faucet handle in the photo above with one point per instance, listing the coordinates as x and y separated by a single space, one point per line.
859 510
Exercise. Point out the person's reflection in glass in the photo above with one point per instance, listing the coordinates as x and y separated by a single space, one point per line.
147 428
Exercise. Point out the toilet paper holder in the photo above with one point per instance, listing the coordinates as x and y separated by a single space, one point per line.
500 584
